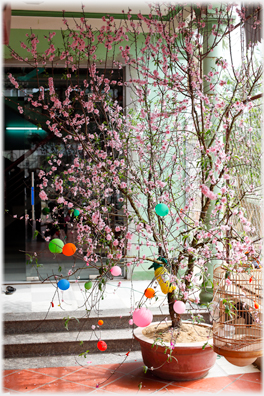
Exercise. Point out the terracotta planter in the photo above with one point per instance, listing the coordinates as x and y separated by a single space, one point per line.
192 362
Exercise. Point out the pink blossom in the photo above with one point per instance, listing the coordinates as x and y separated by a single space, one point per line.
129 235
43 196
208 193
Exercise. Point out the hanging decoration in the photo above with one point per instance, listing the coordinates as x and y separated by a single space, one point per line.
63 284
100 322
76 212
88 285
179 307
56 245
142 317
101 345
116 270
161 209
162 276
69 249
149 292
46 211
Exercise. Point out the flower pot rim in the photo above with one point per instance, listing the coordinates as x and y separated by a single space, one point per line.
138 334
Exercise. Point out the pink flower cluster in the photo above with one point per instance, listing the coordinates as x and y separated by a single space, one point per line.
207 192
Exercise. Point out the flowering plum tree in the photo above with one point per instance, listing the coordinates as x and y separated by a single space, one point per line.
180 139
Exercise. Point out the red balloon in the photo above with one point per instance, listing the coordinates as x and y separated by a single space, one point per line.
69 249
101 345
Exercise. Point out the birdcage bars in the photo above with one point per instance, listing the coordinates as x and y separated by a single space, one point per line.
238 302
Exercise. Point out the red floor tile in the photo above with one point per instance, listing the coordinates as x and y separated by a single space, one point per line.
130 383
60 385
255 377
243 386
56 372
172 389
124 368
92 376
214 384
234 376
7 372
24 380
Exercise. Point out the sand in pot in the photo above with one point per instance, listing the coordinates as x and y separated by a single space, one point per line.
189 333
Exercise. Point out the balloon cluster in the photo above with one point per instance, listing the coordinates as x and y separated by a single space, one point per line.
57 246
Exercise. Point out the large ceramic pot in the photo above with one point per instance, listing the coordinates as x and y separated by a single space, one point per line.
191 363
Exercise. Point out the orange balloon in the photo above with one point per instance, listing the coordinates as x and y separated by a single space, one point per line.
100 322
69 249
149 292
256 305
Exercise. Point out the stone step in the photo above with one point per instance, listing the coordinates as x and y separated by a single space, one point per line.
68 343
34 322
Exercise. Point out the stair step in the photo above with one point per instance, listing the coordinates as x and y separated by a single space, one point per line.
37 323
68 343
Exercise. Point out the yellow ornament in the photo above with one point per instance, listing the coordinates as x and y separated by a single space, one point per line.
163 277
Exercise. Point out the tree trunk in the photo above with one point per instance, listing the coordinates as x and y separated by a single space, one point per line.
175 318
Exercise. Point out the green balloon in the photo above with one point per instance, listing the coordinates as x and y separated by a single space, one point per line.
46 210
76 212
56 245
161 209
88 285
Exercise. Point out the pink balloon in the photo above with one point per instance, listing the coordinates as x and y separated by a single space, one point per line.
142 317
179 307
115 271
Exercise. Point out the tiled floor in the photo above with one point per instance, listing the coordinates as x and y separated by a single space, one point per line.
128 378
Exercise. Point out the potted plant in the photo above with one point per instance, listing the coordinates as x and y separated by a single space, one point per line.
154 182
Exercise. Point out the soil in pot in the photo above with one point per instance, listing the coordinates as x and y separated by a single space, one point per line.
188 333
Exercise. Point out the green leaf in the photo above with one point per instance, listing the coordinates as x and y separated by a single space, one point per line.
145 369
84 353
35 234
81 342
204 345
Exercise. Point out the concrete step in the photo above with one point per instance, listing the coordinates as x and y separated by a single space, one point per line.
38 323
36 334
34 322
68 343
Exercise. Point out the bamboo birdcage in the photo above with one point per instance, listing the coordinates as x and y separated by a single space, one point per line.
238 311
